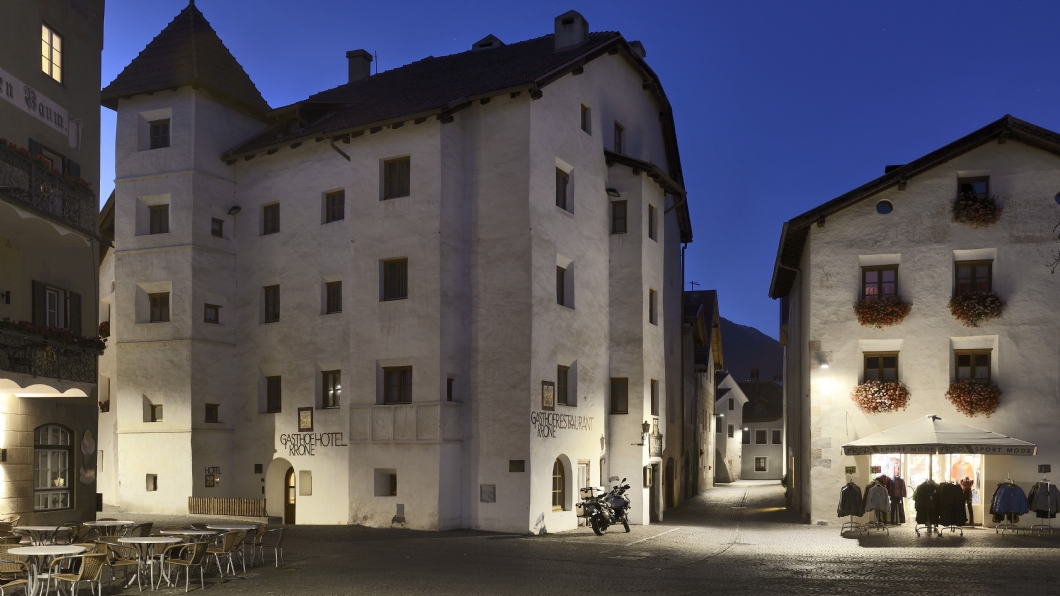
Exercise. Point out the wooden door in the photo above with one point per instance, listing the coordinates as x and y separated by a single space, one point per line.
288 497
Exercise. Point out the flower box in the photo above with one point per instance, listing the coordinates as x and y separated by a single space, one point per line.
55 335
104 329
975 307
972 398
974 210
877 397
882 312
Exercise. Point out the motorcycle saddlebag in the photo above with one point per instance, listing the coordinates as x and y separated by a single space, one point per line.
579 509
590 492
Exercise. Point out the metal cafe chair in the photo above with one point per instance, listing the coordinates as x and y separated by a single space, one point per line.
186 556
231 545
90 570
272 539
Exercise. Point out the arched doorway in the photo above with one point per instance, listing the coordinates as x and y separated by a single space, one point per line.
671 484
288 497
277 476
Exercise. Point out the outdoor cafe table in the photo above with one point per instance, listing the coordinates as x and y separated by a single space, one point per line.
146 545
109 527
38 535
187 532
231 527
36 553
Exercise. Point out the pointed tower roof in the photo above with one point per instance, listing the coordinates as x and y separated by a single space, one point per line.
187 52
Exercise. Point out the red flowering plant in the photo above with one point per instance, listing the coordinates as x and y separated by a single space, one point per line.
976 210
881 312
55 334
44 162
972 397
104 406
877 397
972 308
104 329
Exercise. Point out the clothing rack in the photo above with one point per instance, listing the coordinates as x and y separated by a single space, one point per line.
952 528
1048 525
1006 526
878 523
930 528
851 526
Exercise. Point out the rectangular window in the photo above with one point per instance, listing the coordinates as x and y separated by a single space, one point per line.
620 138
212 314
51 49
273 395
652 310
561 286
159 307
732 431
732 404
746 438
619 396
651 222
879 281
561 385
587 119
332 388
156 413
973 365
761 464
159 219
760 437
51 307
397 178
396 279
272 219
449 389
881 367
654 397
978 186
562 181
334 206
777 438
334 298
212 413
152 483
272 303
618 217
217 227
974 276
397 385
51 468
719 424
159 133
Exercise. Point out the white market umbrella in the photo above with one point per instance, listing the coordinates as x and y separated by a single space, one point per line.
931 435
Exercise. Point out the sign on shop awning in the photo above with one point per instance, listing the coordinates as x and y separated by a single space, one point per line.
933 435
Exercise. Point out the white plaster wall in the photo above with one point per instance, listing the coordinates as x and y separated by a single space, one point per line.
921 232
748 453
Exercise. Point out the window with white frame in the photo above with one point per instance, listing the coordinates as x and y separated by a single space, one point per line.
51 468
51 49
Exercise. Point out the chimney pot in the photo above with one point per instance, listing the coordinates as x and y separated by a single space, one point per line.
360 64
571 30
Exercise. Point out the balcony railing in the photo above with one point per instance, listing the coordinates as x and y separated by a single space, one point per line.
27 180
37 357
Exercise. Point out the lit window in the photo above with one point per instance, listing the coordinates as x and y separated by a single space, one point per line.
559 487
51 468
332 388
51 60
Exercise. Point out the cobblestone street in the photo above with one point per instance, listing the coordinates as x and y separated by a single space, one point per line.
735 539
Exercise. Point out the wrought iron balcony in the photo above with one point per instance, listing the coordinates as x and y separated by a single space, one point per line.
29 181
38 357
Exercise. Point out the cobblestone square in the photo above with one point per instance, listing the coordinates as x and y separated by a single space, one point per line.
734 539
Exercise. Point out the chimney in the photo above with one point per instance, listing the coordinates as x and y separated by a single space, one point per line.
360 65
638 48
571 30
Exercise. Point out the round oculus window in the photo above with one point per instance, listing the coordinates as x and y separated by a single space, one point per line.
1057 198
885 207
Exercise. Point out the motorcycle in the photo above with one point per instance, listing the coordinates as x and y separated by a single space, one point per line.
603 510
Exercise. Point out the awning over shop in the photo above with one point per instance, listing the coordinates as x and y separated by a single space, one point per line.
932 435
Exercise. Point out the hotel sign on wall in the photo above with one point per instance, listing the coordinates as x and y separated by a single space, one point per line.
305 441
36 104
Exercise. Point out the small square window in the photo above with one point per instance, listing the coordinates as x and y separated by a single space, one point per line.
396 279
272 303
761 464
618 217
516 465
159 133
259 468
587 119
156 413
271 214
974 365
879 281
397 385
978 186
620 138
334 206
159 219
334 298
152 483
397 175
777 440
974 277
217 227
159 307
562 184
273 395
212 412
332 388
619 396
212 314
881 367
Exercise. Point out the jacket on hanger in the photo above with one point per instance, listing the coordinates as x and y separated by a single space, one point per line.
1009 498
926 501
1044 498
898 489
878 499
951 505
850 501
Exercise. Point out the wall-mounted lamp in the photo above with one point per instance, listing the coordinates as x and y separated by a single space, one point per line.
6 297
235 209
645 429
612 193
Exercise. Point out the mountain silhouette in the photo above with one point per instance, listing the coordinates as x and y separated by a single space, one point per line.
745 348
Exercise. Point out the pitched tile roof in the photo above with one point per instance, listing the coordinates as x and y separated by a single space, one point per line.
430 85
705 301
187 52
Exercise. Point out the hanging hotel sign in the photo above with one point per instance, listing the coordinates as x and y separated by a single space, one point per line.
32 102
547 423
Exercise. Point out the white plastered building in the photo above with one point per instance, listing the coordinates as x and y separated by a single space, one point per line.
434 297
728 428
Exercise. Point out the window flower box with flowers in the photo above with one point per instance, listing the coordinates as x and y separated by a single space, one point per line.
104 329
972 397
882 312
878 397
973 308
55 335
976 210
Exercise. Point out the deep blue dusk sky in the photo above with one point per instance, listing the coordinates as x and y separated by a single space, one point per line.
780 106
